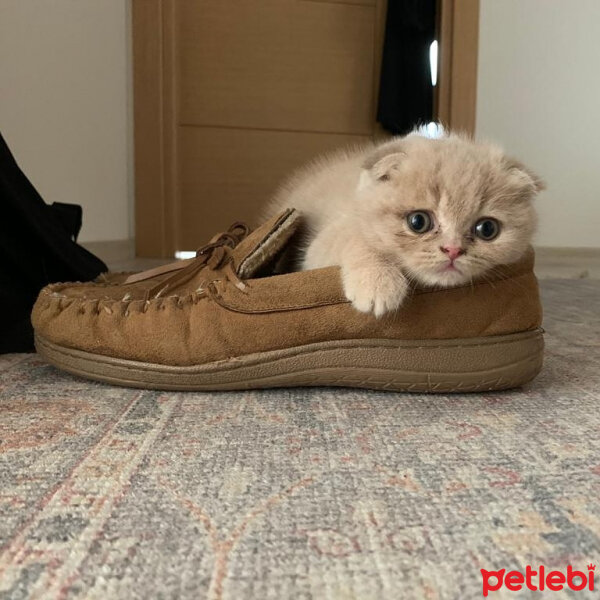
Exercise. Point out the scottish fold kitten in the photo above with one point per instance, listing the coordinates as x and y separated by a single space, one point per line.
438 212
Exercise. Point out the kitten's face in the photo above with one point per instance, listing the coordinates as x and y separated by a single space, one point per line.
448 210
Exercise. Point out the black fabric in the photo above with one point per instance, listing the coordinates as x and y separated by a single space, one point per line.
405 92
37 247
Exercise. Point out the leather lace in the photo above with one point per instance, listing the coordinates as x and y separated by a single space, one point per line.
216 255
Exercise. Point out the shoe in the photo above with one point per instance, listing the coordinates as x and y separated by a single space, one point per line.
225 321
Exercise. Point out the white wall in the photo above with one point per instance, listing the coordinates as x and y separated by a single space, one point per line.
65 105
539 95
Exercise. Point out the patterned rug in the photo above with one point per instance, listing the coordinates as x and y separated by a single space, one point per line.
113 493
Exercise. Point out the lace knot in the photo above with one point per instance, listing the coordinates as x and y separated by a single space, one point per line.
214 255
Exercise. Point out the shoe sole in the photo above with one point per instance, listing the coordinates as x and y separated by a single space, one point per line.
442 366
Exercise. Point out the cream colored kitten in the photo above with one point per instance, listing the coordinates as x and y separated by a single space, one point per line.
437 212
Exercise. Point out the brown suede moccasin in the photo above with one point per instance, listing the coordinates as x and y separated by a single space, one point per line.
225 321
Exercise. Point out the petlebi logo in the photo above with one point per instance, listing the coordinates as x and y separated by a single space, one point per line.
538 580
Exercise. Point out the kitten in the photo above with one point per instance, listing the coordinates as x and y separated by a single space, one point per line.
437 212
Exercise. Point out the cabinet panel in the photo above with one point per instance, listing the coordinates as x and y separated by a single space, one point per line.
276 64
227 175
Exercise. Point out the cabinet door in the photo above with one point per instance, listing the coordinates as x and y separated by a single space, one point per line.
245 92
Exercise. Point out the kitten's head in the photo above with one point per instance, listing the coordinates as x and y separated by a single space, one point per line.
447 209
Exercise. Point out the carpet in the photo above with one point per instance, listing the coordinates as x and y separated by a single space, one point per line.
114 493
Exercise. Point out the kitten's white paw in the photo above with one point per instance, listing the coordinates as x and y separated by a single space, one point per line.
374 290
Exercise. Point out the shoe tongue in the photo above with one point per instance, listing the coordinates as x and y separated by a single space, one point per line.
264 243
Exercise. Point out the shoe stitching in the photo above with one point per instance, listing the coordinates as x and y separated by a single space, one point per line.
192 298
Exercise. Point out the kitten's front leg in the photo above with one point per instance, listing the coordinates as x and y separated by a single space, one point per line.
371 282
374 286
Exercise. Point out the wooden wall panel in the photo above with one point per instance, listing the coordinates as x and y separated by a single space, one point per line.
293 65
228 174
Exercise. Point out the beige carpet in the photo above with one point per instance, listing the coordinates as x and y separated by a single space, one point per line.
113 493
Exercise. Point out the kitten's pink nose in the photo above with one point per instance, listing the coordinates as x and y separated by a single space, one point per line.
453 252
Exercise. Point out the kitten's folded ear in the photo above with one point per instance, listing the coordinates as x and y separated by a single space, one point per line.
383 162
524 176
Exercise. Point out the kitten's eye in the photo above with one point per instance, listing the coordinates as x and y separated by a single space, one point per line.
487 229
419 221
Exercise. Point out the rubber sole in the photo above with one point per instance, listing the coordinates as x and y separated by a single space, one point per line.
458 365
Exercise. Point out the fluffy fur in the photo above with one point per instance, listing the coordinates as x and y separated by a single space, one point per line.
356 205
